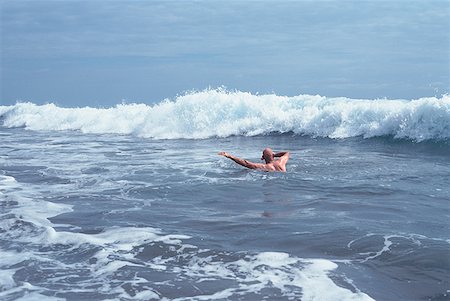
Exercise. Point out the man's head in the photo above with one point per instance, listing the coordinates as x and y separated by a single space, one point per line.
267 155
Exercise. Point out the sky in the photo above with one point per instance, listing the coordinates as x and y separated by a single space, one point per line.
101 53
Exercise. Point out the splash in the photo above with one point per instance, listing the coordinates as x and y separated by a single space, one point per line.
219 113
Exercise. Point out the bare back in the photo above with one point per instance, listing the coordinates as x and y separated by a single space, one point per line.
277 165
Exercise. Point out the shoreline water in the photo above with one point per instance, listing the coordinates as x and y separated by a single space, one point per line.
151 219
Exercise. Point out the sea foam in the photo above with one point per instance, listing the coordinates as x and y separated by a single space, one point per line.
219 113
111 261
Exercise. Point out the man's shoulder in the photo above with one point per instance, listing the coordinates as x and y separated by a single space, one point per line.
268 167
281 162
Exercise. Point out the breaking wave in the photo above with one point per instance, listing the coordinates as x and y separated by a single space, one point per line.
220 113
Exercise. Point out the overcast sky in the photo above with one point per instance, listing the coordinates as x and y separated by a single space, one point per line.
99 53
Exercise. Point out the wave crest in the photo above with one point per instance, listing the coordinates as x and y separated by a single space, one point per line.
219 113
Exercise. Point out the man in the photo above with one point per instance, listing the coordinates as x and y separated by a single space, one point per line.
268 155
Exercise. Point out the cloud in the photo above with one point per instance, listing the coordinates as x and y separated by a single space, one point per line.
256 45
170 29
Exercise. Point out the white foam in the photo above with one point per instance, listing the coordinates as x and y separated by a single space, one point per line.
144 295
35 296
6 181
7 259
296 278
386 248
387 243
30 293
26 221
6 278
116 248
220 113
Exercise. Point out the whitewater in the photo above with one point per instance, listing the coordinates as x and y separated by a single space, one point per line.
132 202
220 113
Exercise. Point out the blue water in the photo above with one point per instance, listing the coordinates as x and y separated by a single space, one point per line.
110 216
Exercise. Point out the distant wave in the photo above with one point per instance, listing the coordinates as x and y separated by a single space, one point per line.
219 113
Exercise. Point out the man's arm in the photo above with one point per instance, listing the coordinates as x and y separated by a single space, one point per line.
284 157
242 162
280 154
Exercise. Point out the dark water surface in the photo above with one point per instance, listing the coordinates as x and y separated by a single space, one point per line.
96 217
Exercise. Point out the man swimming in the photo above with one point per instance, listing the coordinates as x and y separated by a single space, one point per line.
268 155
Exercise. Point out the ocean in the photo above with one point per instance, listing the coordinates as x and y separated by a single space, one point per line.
132 202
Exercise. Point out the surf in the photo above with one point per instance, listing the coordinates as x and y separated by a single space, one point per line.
221 113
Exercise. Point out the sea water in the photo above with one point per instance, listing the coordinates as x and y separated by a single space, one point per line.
133 202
